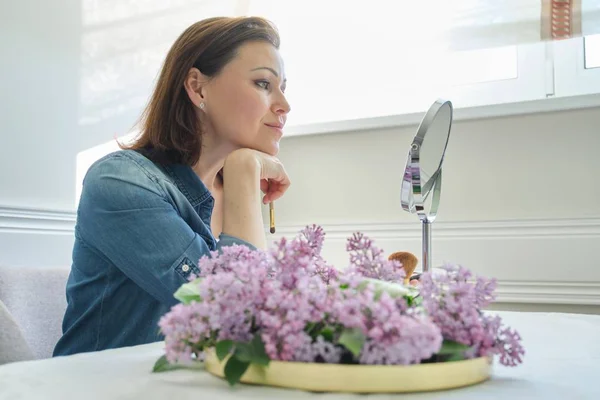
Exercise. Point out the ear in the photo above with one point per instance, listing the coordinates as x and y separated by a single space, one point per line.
195 86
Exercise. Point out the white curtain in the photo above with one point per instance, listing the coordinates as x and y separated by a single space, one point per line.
453 24
491 23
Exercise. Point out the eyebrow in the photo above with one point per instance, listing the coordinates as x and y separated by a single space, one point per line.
269 69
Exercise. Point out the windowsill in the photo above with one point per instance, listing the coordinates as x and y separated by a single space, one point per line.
460 114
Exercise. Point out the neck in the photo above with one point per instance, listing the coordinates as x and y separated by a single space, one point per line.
211 162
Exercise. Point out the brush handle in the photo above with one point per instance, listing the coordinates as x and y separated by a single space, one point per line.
271 218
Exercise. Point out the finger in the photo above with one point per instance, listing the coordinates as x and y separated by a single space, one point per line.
264 185
271 187
268 197
276 191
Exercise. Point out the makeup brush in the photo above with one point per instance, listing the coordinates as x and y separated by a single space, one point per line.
271 217
409 263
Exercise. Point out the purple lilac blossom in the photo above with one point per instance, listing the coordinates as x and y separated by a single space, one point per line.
280 292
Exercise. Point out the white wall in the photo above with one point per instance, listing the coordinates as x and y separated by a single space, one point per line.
520 200
40 46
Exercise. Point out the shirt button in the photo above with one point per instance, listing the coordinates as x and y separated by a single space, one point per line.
185 268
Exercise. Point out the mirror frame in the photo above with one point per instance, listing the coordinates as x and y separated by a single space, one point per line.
413 193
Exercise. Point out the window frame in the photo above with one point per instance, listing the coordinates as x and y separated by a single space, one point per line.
571 78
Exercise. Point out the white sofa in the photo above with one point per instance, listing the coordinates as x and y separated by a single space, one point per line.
32 306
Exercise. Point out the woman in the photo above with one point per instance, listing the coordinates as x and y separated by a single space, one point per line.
193 182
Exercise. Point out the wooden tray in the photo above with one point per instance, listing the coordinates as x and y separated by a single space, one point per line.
318 377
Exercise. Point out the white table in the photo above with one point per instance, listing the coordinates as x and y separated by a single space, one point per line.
562 362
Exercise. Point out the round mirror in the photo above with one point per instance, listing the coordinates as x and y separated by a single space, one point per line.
434 132
422 182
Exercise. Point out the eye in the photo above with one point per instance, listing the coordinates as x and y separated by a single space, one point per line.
263 84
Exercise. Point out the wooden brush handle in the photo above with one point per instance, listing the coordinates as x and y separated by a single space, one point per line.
408 260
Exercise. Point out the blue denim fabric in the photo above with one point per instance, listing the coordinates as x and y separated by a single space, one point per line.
141 229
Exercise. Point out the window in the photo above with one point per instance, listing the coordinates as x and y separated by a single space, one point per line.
577 66
371 60
592 51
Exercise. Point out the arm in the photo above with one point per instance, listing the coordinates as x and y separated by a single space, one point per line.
246 174
125 216
242 215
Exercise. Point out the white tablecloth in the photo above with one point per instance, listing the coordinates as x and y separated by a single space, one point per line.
562 362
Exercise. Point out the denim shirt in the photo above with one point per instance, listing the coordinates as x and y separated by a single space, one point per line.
141 229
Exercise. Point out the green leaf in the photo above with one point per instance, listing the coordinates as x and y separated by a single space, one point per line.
162 365
414 301
243 351
327 333
309 327
353 340
234 369
223 348
259 355
393 289
363 285
253 352
313 328
189 292
452 347
456 357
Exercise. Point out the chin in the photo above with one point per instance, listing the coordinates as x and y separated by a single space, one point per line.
268 145
271 149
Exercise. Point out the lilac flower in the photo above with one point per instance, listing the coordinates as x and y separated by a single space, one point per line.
326 351
290 261
289 293
454 304
368 260
230 259
407 340
509 347
183 326
285 314
393 336
315 237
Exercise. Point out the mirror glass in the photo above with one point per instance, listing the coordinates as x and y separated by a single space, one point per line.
425 157
434 142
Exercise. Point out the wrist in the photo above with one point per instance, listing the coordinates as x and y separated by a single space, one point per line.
241 170
241 159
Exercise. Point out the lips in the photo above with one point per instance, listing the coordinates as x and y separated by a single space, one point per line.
278 126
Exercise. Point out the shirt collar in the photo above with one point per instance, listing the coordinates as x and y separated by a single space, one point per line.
189 184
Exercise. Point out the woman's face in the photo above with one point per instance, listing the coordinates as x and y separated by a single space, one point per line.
245 103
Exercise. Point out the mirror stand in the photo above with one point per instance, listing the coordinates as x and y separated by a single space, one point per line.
422 181
427 220
426 243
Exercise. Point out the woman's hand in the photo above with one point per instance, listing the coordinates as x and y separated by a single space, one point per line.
247 173
274 180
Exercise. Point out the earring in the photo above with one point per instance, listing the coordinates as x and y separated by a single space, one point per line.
202 106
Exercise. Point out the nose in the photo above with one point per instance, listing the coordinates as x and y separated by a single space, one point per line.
281 105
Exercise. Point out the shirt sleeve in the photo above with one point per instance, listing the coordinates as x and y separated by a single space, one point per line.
228 240
125 215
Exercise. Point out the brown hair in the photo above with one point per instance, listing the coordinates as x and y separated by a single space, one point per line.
170 129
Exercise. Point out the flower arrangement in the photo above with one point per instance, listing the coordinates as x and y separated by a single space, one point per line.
288 304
